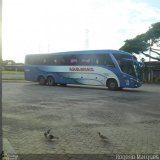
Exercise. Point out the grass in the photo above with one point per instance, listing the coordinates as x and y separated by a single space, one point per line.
12 75
9 79
12 72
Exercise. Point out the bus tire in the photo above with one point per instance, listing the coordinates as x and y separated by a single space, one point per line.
112 85
51 81
41 80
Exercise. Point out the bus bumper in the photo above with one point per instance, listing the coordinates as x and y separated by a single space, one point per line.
136 83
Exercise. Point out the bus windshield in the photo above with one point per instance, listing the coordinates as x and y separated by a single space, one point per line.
131 67
138 69
127 66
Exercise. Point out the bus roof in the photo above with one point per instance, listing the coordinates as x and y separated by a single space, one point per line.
107 51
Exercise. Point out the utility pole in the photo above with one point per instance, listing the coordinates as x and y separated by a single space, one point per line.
39 47
149 74
1 77
48 47
86 38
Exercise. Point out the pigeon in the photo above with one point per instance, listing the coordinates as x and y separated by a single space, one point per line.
104 138
47 133
50 137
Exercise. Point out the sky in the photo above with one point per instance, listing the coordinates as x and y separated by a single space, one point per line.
42 26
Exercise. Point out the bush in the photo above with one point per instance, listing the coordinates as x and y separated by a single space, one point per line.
157 79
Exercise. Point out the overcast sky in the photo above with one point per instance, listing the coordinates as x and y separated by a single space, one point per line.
41 26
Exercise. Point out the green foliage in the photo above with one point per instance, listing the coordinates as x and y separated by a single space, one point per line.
135 45
12 72
156 80
153 33
144 42
8 62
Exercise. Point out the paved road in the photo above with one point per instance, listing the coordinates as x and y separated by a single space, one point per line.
129 118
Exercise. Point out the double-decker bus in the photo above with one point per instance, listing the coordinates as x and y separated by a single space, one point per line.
114 69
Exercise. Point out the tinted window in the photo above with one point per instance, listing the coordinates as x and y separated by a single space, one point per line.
127 67
69 60
125 63
53 60
33 59
122 56
87 59
109 61
100 59
73 60
104 59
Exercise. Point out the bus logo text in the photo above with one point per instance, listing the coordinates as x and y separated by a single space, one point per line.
80 69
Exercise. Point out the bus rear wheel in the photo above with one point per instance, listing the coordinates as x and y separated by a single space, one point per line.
51 81
112 85
41 80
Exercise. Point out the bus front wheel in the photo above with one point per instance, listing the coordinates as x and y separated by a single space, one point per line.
112 85
41 80
51 81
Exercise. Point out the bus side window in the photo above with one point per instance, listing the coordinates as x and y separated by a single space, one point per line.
55 61
72 60
37 60
49 60
44 61
122 66
109 61
100 59
27 60
62 61
85 61
97 61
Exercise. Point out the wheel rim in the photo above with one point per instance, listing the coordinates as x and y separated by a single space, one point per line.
50 81
112 85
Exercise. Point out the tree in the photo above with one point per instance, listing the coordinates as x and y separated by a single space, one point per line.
145 42
8 62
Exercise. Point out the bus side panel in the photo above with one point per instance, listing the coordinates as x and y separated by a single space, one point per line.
31 73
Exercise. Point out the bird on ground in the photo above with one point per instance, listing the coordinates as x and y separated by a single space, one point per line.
104 138
50 137
46 133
